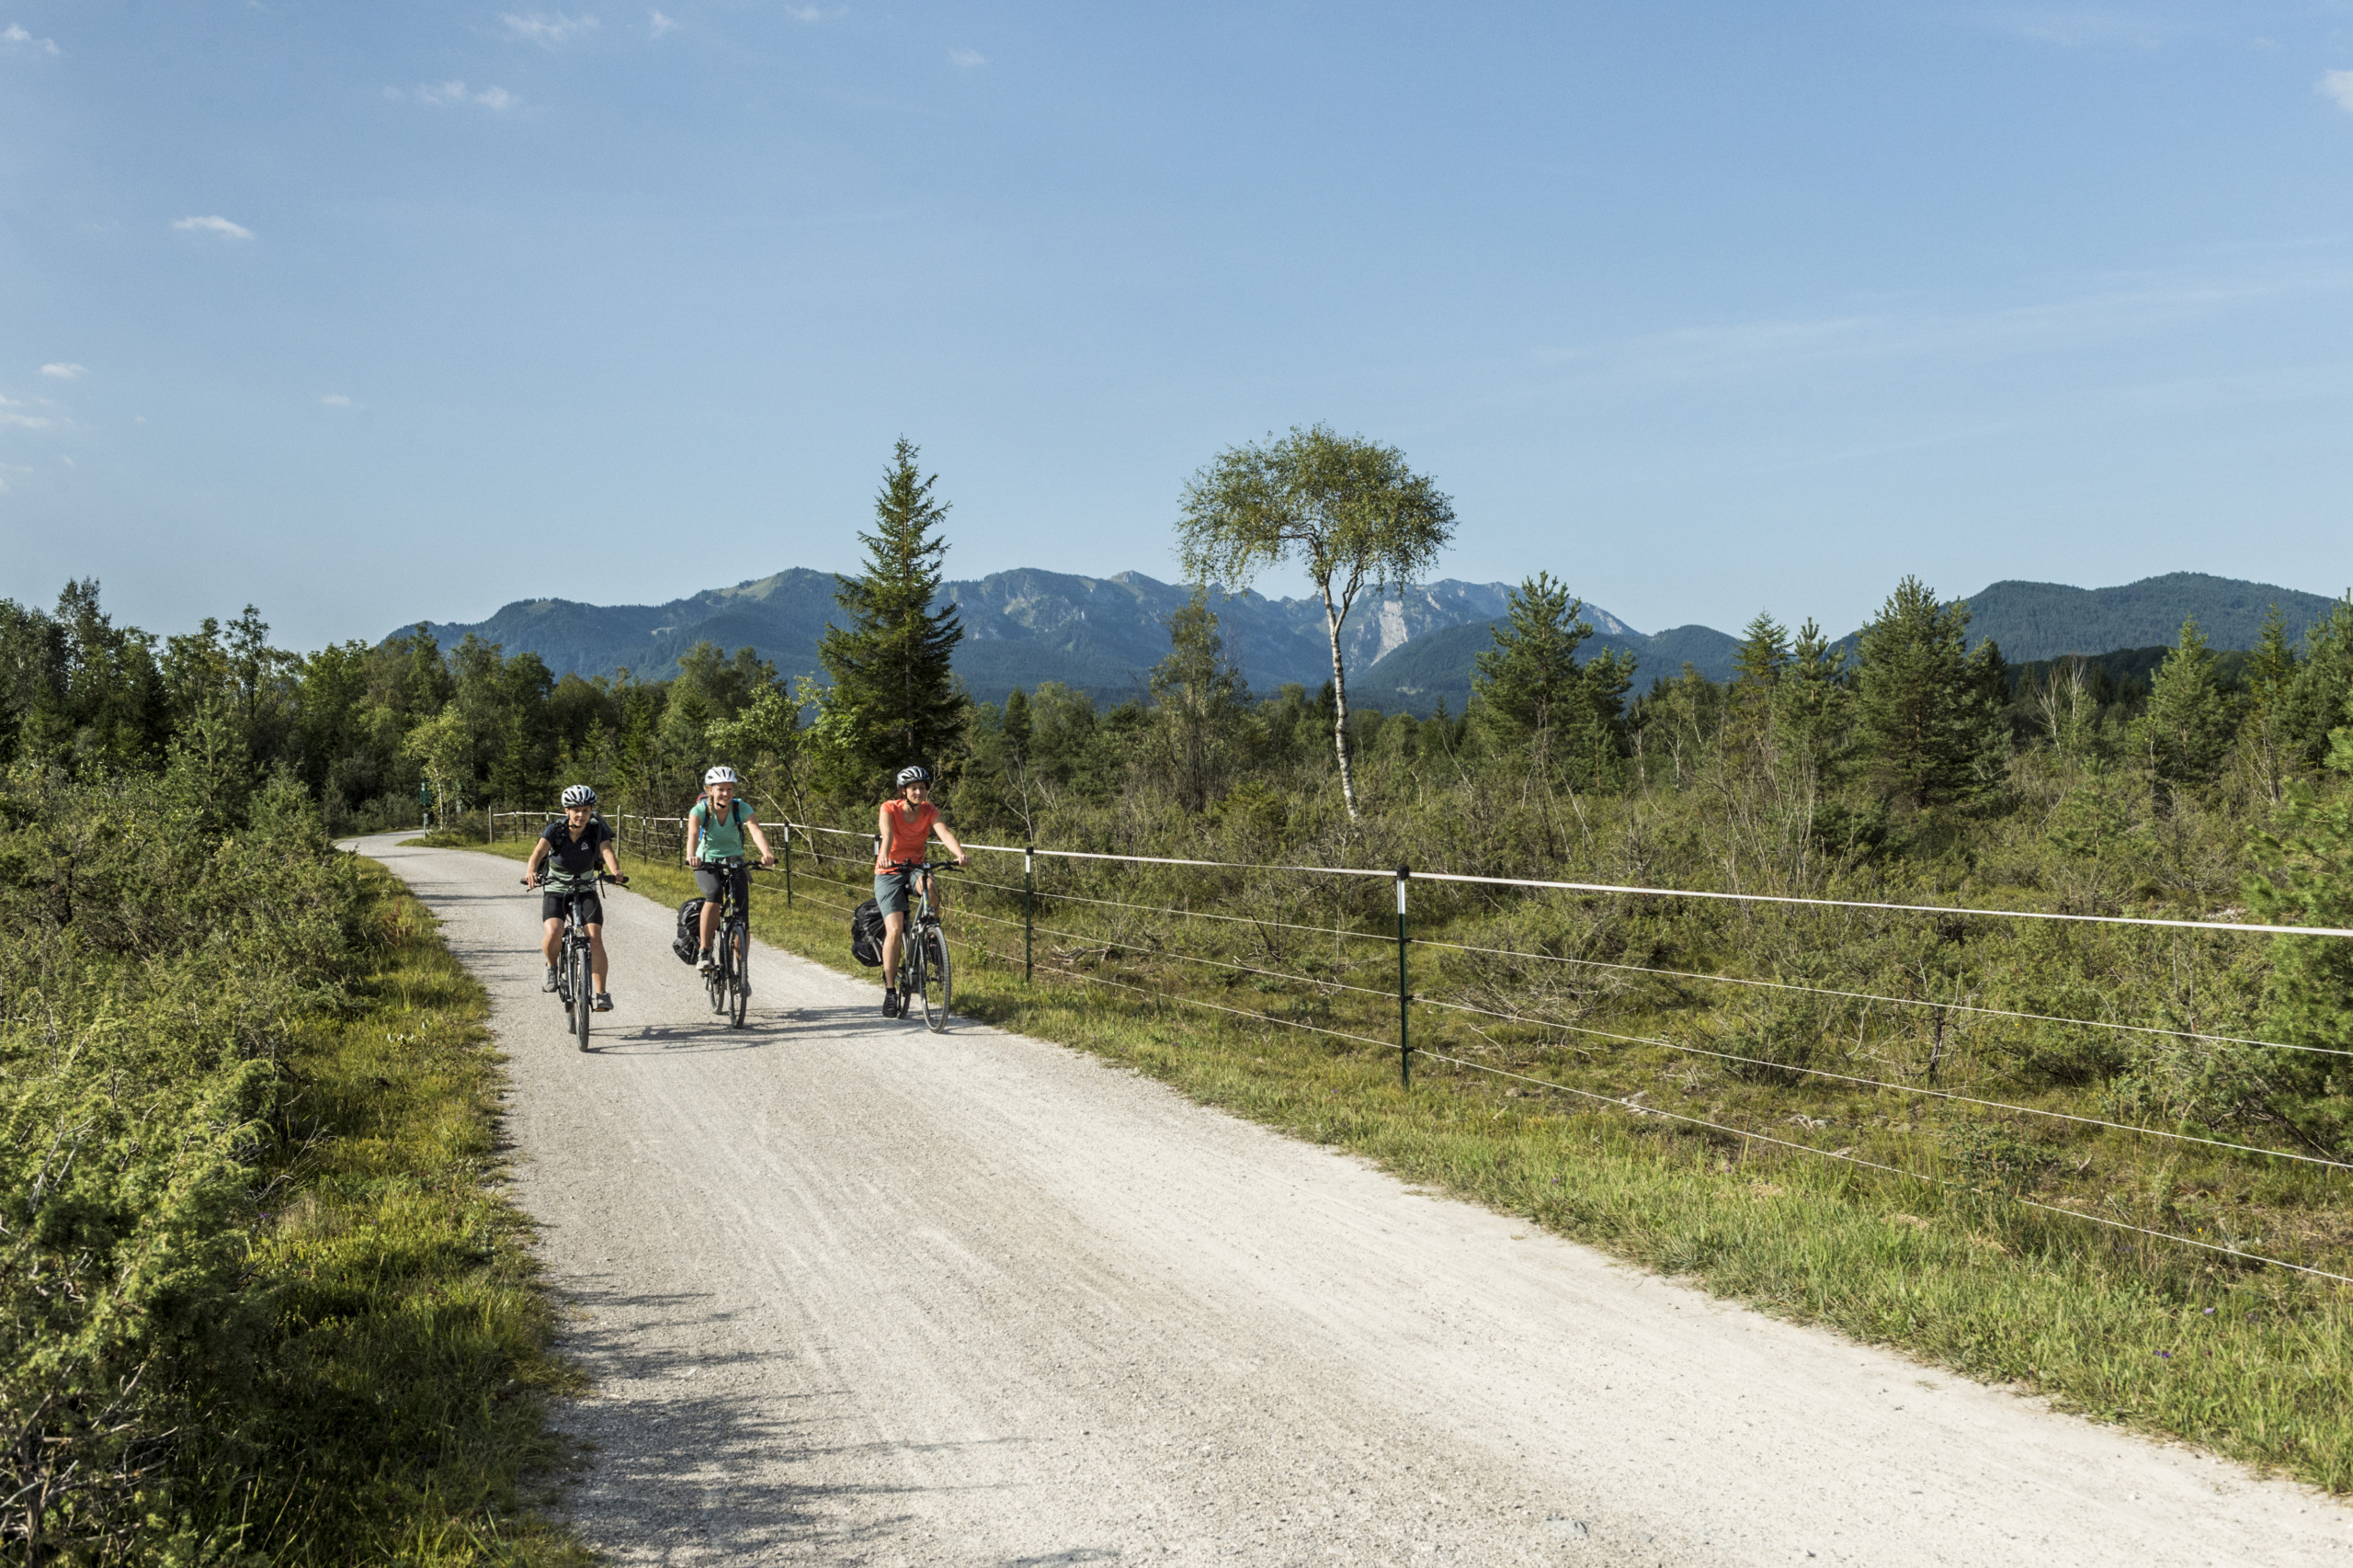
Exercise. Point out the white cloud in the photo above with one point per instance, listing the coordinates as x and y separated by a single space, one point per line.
2339 84
65 373
26 421
657 23
968 58
215 224
334 399
15 36
814 13
495 98
2087 29
549 29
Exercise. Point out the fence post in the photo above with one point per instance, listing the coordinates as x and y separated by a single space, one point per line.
1029 890
787 864
1404 1044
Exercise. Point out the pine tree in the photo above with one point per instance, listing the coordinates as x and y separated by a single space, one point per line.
1924 708
1201 701
893 698
2263 738
1531 689
2186 729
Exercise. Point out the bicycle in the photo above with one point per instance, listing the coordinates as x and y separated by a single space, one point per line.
922 948
728 982
574 977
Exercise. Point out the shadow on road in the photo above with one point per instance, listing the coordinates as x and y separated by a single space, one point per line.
688 1468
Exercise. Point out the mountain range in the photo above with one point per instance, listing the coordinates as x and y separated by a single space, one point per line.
1405 653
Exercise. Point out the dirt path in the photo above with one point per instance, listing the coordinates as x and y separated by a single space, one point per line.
852 1292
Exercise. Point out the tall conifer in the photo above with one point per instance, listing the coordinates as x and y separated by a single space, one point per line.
893 698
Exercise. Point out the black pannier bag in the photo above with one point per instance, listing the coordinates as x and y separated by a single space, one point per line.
686 943
865 933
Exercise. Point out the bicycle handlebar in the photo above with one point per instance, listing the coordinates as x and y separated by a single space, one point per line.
922 866
577 876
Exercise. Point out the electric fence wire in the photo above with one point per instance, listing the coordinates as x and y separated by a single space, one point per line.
1879 1084
1638 891
1895 1001
1718 978
1745 1133
1742 1132
1387 994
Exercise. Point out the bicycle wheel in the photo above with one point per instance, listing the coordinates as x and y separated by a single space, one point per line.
739 973
583 994
937 977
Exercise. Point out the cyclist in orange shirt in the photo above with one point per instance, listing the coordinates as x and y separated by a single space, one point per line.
903 829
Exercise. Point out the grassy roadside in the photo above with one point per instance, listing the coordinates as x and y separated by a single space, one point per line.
2254 1365
401 1401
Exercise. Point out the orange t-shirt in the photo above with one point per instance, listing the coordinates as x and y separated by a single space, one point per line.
910 832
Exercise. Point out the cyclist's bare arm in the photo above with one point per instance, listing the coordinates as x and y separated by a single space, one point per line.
538 855
613 865
940 828
768 855
694 834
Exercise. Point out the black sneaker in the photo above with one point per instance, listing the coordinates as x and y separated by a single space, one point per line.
603 1002
889 1004
549 983
705 963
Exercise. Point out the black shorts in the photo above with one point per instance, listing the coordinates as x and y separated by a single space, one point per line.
592 908
707 880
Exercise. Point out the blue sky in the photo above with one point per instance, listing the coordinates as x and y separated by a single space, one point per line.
366 314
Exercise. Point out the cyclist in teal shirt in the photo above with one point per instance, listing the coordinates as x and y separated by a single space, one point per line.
715 831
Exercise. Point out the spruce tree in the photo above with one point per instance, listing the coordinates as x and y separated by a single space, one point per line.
893 698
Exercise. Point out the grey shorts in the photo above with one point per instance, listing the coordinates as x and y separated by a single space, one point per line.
893 891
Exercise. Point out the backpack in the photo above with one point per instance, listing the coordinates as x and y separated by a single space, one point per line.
866 933
686 943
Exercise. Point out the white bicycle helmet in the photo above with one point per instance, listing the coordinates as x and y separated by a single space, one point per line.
578 795
722 774
914 773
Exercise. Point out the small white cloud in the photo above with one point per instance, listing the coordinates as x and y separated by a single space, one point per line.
215 224
65 373
139 419
334 399
657 23
967 58
2339 84
15 36
814 13
549 29
26 421
495 98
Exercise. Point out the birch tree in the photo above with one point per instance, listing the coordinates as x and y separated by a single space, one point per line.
1347 510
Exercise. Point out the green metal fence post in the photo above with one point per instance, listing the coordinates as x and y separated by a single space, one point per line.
1405 1043
1028 897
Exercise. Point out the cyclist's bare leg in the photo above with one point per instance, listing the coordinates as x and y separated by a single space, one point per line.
596 954
709 920
550 942
894 928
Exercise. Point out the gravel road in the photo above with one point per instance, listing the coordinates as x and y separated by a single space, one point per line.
855 1293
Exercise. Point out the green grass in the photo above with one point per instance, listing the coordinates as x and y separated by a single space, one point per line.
400 1413
2251 1363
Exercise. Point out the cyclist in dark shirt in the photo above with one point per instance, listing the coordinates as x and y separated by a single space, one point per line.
573 846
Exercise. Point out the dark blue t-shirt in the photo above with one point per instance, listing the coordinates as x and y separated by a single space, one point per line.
577 855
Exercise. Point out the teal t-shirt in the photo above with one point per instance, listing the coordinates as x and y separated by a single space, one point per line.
721 839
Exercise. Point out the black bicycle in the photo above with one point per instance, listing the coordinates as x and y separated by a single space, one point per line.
575 979
728 982
924 972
